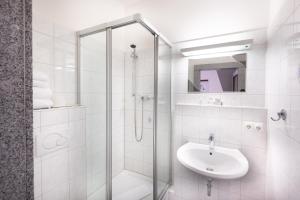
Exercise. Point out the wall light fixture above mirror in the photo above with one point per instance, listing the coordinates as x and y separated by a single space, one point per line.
218 48
218 74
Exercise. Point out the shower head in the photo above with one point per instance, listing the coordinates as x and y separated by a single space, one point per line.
133 54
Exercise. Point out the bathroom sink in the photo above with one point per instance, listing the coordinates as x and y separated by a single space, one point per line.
221 163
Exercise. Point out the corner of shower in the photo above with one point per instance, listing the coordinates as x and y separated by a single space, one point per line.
124 80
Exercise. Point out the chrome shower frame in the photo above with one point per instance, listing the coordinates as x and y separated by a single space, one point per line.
108 27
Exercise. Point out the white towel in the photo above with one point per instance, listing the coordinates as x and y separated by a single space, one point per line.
42 93
41 76
40 84
42 103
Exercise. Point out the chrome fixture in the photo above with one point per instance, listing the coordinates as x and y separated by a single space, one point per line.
211 140
134 58
133 54
218 101
209 186
215 101
280 115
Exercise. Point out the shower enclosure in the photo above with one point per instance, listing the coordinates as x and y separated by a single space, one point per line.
125 83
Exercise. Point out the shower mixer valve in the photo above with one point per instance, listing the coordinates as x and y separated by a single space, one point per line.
146 97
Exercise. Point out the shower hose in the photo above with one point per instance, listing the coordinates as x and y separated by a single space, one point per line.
138 138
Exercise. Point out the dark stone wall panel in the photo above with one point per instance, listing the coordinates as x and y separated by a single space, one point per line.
16 142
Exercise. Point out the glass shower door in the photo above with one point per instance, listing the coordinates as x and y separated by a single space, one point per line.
93 97
132 112
163 124
125 84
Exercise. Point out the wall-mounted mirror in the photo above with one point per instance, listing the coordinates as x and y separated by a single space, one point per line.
219 74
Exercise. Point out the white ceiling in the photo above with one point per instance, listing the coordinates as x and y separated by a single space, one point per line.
129 2
78 14
181 20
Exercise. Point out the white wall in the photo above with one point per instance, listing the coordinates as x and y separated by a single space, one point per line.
283 92
54 54
279 10
59 168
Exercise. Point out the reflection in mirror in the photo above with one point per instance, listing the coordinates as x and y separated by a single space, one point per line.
219 74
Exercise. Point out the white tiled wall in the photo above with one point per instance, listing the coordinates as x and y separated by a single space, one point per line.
54 54
59 154
118 132
195 123
283 92
139 155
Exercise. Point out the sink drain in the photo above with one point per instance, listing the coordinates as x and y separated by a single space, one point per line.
210 169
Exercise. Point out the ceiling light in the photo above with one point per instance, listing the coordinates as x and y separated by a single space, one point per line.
218 48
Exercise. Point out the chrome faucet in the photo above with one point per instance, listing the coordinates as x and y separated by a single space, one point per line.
211 141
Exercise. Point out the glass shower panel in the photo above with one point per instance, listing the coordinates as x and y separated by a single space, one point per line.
93 97
132 112
163 136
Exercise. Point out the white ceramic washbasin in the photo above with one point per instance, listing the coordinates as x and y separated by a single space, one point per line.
224 163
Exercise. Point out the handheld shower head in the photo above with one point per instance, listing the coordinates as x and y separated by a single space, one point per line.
133 54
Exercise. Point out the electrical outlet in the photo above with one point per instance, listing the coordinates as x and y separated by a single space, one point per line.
253 126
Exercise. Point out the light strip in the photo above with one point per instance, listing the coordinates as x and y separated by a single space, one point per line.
218 48
216 55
